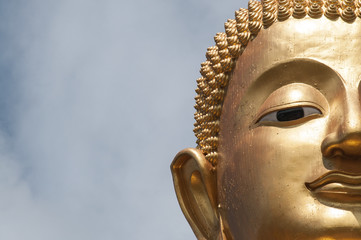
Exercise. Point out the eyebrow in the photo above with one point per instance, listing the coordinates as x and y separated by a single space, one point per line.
297 70
300 70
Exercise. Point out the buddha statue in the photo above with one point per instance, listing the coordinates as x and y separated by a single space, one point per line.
278 126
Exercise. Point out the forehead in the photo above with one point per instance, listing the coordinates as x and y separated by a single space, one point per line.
333 44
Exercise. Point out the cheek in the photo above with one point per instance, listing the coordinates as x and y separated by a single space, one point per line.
282 155
267 170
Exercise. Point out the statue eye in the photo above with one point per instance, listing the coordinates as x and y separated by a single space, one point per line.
290 114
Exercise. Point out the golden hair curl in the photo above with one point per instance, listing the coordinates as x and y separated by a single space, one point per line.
229 46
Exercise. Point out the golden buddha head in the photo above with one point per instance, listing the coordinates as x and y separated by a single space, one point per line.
278 126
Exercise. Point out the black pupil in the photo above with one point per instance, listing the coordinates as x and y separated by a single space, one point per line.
290 114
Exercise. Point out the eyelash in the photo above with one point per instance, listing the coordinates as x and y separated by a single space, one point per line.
290 114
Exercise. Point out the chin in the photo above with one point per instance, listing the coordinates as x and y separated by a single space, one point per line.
313 221
328 229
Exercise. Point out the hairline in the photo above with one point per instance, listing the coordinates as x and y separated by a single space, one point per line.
221 58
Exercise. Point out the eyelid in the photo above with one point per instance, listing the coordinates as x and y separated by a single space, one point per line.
288 106
291 96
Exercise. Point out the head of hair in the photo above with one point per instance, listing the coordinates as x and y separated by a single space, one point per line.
221 58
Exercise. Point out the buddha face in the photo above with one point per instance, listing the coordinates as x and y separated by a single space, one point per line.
290 139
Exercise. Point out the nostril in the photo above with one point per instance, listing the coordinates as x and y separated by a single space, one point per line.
330 144
337 152
330 150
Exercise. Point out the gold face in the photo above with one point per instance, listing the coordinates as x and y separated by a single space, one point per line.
290 135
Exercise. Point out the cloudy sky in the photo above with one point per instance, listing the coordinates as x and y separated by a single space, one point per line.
96 98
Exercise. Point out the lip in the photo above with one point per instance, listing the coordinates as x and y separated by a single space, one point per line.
336 188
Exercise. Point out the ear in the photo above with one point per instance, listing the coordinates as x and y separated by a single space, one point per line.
195 184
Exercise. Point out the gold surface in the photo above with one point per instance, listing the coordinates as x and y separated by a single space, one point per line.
229 45
264 166
288 138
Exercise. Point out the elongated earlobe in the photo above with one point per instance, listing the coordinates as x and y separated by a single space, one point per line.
195 184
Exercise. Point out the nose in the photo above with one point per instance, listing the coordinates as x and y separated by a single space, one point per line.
348 146
341 149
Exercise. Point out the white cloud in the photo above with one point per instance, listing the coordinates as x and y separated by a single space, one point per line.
99 101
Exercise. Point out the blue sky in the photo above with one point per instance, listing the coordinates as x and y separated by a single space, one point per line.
96 98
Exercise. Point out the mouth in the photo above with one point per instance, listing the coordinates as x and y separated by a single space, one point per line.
337 189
